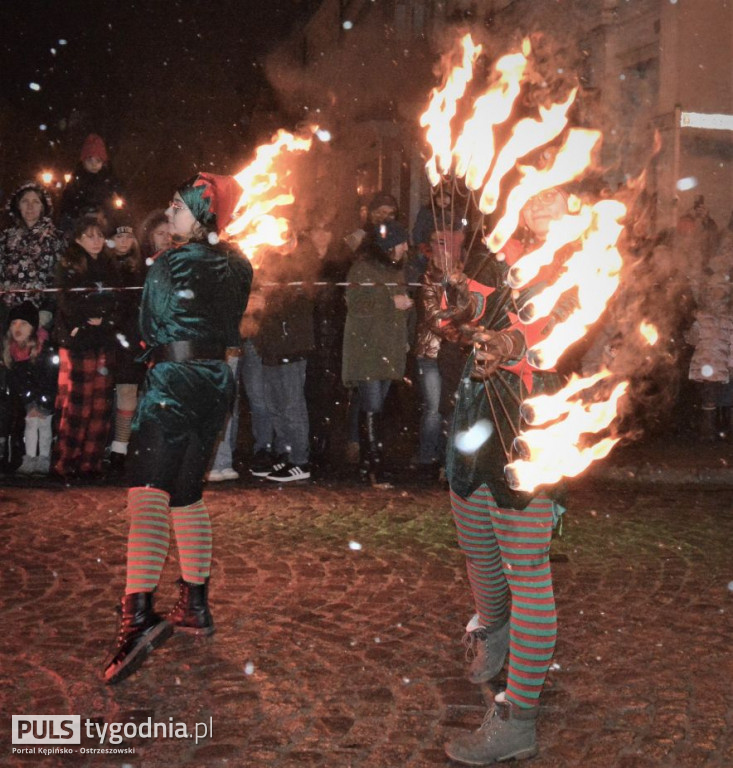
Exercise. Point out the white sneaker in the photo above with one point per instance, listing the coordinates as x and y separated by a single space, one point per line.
43 465
28 467
220 475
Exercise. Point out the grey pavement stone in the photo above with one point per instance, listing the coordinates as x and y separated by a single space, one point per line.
331 656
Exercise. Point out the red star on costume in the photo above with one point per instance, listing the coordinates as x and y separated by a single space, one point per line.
532 333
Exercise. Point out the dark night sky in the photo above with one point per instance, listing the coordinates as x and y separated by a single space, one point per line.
169 85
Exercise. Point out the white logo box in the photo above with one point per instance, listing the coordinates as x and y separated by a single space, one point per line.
47 729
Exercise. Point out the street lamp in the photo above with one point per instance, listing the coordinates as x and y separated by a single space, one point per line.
46 177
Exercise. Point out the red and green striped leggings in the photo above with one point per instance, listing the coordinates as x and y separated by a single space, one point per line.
508 556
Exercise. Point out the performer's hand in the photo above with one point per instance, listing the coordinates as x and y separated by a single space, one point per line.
457 295
402 301
492 348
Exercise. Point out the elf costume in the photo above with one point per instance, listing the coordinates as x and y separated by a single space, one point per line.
504 534
193 300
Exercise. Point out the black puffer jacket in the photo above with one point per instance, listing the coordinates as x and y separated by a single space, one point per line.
88 190
33 382
78 270
286 332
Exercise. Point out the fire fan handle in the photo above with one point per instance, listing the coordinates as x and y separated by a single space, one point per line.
492 348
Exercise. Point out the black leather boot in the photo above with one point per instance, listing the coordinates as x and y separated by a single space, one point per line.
708 430
191 613
724 422
372 465
141 631
117 463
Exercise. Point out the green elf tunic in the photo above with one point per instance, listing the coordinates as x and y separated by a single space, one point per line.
197 292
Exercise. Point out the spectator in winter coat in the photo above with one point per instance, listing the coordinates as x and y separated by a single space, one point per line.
375 336
29 249
86 324
284 341
329 264
32 383
382 207
94 185
712 336
124 253
437 214
432 331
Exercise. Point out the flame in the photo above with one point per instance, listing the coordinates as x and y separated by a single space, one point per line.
595 271
542 463
649 332
474 148
543 408
562 232
442 108
572 159
526 135
255 226
560 438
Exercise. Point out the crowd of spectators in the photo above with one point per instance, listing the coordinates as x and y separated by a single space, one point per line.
330 327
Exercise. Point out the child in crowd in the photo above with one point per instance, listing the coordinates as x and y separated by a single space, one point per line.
86 326
124 253
93 185
154 236
32 383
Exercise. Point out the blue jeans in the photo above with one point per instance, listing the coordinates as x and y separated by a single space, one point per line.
285 401
372 395
431 423
263 432
228 436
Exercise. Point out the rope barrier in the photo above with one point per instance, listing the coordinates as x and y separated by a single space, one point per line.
294 283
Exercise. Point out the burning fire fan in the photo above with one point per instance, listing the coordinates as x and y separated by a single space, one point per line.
548 267
535 294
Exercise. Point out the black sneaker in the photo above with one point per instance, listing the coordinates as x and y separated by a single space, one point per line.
287 473
262 464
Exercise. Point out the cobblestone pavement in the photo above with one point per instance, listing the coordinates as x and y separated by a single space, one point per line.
331 655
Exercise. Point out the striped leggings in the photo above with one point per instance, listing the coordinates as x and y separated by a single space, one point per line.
508 555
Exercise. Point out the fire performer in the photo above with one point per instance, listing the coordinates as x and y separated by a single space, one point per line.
194 297
505 535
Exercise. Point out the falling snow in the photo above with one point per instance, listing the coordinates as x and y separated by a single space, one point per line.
689 182
472 439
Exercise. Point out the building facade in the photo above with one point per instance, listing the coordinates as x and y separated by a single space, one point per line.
645 66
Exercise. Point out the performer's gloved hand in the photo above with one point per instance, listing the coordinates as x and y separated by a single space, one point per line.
460 305
492 348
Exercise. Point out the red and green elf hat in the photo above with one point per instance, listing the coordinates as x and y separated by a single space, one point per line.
211 198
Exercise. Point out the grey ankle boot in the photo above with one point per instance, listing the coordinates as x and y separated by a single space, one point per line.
507 733
486 650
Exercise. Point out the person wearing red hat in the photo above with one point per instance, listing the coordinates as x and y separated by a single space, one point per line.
194 297
94 187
